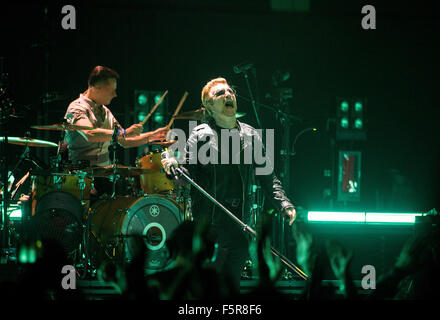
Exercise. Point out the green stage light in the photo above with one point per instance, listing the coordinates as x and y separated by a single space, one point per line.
358 106
142 99
23 255
27 254
358 124
363 217
157 98
378 217
15 212
344 122
333 216
141 116
158 117
344 106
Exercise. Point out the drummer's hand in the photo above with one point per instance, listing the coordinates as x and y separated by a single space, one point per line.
167 163
159 134
134 130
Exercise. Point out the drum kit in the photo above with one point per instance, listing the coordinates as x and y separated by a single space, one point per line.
61 206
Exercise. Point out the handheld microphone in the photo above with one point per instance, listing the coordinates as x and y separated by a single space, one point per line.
239 68
165 156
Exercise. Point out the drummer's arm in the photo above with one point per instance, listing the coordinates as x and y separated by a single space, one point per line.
136 141
103 135
143 138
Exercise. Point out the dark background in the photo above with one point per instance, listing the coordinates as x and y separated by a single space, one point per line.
180 45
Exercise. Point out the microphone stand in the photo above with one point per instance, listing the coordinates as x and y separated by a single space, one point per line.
256 210
246 77
244 226
284 114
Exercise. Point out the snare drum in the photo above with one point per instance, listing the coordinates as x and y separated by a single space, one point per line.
155 181
119 225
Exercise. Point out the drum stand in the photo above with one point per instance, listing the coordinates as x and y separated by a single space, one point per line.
114 177
244 226
85 250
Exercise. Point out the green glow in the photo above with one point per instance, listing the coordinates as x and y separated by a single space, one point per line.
15 214
23 255
363 217
358 124
344 122
142 99
158 117
391 217
358 106
344 106
32 255
157 98
336 216
141 116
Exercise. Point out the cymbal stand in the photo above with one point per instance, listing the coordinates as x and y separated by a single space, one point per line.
6 110
85 252
58 156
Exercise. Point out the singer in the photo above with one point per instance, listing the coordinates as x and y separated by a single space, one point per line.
230 183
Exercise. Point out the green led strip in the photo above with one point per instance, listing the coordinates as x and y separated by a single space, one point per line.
362 217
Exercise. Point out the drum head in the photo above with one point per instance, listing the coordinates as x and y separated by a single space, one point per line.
153 218
58 217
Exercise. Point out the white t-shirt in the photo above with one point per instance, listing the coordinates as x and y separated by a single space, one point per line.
79 148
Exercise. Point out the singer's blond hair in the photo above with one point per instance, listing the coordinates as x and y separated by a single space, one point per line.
207 88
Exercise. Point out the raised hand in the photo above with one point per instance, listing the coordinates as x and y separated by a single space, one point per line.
339 258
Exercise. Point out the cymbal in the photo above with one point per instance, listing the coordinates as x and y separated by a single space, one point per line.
62 126
198 114
163 143
201 114
29 142
121 170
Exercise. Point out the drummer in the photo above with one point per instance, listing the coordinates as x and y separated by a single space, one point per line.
91 110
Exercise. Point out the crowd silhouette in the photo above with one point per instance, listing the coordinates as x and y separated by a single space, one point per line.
192 276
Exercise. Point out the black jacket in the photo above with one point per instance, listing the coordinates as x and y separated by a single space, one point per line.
205 175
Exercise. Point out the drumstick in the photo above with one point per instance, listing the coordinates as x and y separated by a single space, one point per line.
177 109
154 108
19 183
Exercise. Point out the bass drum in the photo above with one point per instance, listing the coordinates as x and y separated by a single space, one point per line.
119 226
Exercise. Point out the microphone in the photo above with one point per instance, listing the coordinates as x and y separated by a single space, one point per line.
165 156
239 68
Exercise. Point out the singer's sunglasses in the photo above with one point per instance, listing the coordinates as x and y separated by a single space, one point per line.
223 91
